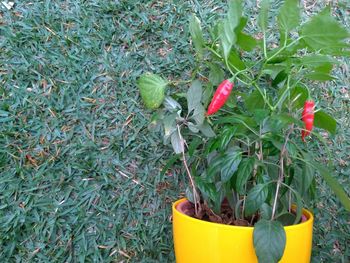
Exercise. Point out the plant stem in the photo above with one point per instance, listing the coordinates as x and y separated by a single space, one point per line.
195 194
281 172
282 49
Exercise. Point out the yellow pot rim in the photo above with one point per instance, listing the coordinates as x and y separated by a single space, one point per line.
307 213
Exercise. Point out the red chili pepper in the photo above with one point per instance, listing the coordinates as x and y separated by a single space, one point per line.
220 96
308 118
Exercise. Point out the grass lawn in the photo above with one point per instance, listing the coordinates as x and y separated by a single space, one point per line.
80 173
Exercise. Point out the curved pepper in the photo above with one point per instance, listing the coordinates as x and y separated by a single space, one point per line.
220 96
308 118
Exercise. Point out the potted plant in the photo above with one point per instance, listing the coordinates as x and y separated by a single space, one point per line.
246 146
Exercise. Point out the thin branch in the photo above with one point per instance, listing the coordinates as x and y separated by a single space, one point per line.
281 172
195 193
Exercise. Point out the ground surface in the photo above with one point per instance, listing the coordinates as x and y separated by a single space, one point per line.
80 172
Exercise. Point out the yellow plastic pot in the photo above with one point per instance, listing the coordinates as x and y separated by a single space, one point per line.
198 241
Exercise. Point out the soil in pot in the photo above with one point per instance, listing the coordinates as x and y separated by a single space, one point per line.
225 217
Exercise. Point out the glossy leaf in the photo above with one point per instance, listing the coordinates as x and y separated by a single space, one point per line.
171 105
334 185
265 211
229 163
194 95
244 172
227 27
199 114
315 61
323 32
263 14
255 198
320 76
298 96
235 62
246 42
206 129
254 101
289 16
325 121
269 240
196 34
152 89
216 74
177 142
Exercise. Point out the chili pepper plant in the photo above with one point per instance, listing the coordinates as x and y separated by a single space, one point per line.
247 146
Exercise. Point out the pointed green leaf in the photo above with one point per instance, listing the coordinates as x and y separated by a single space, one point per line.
206 129
171 105
194 95
320 76
286 219
254 101
325 121
289 16
334 185
315 61
298 95
235 62
199 114
255 198
244 172
263 14
177 142
196 34
323 32
265 211
216 74
269 240
227 26
152 89
246 42
229 163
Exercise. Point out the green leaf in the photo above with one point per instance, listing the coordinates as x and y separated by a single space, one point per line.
334 185
169 164
254 101
289 16
315 61
171 105
255 198
265 211
207 189
246 42
216 74
269 240
152 89
196 34
198 114
323 32
206 129
324 121
194 95
169 123
229 163
320 76
234 13
303 178
298 95
286 218
299 207
177 142
227 27
244 172
263 14
235 62
227 135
